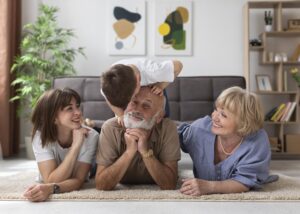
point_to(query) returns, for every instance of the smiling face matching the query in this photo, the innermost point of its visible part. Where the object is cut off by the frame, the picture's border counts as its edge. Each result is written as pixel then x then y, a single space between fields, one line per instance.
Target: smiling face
pixel 144 110
pixel 69 117
pixel 224 122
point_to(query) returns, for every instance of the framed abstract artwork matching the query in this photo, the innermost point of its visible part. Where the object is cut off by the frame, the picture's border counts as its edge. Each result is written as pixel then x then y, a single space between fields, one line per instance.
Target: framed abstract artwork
pixel 126 27
pixel 173 27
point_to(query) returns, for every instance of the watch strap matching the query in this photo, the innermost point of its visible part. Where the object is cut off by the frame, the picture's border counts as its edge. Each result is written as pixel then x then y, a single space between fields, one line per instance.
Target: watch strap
pixel 56 189
pixel 147 154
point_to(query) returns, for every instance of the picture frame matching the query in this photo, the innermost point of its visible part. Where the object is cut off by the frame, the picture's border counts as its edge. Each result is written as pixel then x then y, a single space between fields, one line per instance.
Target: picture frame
pixel 173 28
pixel 126 27
pixel 263 83
pixel 293 25
pixel 296 55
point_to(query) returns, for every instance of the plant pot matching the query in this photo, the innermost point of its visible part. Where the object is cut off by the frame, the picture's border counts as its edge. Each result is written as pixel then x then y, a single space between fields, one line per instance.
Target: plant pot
pixel 29 150
pixel 268 28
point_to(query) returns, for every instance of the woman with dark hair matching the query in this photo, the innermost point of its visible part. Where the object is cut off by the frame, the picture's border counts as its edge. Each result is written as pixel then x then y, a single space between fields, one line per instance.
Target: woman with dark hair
pixel 63 148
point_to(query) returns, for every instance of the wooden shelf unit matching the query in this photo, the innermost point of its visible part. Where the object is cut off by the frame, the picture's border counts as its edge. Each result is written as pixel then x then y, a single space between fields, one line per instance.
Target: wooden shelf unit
pixel 278 67
pixel 277 92
pixel 256 48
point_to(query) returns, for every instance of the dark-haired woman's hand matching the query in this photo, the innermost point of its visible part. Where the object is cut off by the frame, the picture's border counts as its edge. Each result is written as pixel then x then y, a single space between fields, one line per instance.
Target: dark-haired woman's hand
pixel 78 137
pixel 38 192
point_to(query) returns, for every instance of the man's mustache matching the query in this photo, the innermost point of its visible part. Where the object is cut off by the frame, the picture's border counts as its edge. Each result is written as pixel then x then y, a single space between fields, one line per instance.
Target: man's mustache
pixel 137 115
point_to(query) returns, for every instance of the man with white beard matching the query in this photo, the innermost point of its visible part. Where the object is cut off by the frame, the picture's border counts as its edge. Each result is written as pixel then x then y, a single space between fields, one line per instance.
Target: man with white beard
pixel 145 152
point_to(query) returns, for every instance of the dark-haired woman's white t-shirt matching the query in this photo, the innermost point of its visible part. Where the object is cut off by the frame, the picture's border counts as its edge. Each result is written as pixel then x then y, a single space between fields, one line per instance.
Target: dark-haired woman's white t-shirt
pixel 53 151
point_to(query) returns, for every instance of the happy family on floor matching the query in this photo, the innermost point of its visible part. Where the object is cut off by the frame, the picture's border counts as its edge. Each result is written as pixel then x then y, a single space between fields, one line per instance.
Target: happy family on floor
pixel 141 145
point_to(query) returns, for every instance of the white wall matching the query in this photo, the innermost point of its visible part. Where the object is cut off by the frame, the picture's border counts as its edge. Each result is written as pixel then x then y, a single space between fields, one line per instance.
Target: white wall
pixel 217 34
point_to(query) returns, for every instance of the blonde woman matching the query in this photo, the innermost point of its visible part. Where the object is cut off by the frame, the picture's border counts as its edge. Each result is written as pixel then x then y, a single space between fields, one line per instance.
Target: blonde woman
pixel 230 150
pixel 63 148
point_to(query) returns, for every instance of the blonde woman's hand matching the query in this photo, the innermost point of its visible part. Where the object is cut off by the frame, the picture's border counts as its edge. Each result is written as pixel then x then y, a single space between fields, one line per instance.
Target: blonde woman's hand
pixel 195 187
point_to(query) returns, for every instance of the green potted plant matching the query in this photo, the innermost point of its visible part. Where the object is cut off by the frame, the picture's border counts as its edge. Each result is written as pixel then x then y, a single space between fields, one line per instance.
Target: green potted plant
pixel 268 21
pixel 45 54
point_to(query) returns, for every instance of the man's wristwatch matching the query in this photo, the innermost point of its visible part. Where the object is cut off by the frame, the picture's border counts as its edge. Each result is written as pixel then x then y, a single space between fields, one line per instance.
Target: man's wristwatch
pixel 56 189
pixel 147 154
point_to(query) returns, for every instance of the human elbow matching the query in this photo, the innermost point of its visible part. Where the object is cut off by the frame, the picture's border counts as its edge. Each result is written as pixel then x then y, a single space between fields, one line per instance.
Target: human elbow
pixel 169 186
pixel 103 186
pixel 177 67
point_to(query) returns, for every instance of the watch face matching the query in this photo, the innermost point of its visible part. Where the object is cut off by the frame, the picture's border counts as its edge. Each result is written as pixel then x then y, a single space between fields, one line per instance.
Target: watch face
pixel 56 189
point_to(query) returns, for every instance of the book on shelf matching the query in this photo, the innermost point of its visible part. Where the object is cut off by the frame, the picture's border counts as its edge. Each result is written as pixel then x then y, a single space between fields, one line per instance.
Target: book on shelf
pixel 281 113
pixel 270 113
pixel 286 110
pixel 276 115
pixel 290 112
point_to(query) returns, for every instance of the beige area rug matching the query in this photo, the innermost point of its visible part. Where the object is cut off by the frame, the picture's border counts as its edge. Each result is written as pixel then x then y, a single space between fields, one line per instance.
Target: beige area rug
pixel 13 185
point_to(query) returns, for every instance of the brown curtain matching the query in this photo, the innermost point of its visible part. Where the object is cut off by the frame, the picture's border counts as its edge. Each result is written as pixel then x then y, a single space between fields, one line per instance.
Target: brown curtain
pixel 10 25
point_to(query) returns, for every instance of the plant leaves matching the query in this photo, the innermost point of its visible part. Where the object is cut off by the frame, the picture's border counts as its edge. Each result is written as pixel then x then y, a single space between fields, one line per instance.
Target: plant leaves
pixel 45 54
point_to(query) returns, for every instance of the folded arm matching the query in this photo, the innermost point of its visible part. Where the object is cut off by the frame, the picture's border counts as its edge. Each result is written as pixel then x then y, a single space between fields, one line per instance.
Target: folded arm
pixel 41 192
pixel 164 174
pixel 51 173
pixel 108 177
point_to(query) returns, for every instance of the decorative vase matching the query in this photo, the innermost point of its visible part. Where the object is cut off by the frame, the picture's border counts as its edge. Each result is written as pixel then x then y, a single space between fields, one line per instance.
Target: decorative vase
pixel 268 28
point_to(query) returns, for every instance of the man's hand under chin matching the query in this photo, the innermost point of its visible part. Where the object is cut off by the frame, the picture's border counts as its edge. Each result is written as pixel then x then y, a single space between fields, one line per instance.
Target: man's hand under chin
pixel 131 143
pixel 142 136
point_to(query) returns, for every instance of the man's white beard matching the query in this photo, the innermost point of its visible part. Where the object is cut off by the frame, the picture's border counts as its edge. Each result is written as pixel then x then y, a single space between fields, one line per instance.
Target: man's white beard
pixel 131 123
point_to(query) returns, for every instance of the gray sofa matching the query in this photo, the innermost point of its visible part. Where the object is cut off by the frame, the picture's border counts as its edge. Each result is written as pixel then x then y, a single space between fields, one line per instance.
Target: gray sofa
pixel 189 97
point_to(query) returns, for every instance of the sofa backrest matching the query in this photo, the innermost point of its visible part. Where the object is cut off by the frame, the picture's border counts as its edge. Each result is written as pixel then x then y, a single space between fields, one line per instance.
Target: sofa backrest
pixel 193 97
pixel 189 97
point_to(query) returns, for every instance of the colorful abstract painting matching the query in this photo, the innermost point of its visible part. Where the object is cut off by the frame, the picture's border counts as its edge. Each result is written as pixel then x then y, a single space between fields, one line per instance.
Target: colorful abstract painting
pixel 127 27
pixel 173 33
